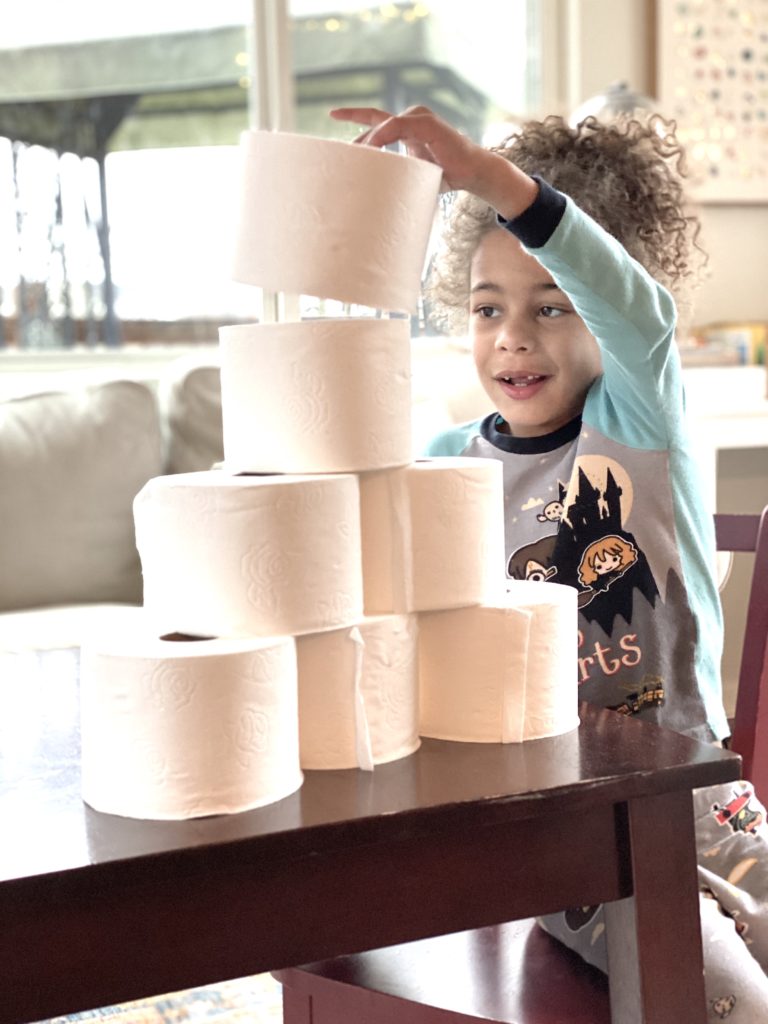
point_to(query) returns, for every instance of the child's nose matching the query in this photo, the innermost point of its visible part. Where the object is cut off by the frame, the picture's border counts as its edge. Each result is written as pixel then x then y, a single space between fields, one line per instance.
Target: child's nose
pixel 514 336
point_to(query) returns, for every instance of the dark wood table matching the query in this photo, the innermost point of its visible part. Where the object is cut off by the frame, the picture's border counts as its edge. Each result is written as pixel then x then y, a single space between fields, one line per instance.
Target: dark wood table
pixel 96 909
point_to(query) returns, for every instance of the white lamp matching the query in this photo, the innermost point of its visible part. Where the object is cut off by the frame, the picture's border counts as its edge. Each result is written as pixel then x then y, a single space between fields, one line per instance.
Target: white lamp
pixel 617 100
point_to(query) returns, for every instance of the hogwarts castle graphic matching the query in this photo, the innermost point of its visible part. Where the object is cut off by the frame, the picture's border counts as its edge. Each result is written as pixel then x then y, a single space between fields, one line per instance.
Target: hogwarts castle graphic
pixel 592 552
pixel 637 631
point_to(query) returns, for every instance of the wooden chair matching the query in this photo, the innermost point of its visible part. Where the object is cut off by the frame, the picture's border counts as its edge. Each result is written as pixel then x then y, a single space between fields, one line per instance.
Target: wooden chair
pixel 515 973
pixel 749 736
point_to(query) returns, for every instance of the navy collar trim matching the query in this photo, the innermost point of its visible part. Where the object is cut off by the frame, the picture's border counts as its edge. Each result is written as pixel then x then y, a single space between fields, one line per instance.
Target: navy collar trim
pixel 489 429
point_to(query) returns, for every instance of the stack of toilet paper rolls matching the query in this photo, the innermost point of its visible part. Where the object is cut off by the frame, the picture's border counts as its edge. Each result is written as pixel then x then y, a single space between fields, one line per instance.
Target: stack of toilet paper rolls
pixel 306 599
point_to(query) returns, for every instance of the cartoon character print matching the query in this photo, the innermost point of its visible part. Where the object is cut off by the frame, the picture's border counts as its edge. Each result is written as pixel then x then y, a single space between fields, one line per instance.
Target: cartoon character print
pixel 533 561
pixel 723 1007
pixel 552 512
pixel 591 548
pixel 536 571
pixel 603 562
pixel 739 814
pixel 652 695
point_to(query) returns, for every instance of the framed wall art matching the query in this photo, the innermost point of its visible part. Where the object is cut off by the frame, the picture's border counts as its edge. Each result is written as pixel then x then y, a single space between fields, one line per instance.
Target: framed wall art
pixel 712 61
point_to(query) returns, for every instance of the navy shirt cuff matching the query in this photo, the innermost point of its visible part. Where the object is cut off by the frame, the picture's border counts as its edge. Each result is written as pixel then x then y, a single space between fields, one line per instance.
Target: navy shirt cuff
pixel 535 226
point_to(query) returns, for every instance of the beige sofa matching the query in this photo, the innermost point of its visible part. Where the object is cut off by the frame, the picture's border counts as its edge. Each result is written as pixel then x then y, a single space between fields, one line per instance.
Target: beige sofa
pixel 72 460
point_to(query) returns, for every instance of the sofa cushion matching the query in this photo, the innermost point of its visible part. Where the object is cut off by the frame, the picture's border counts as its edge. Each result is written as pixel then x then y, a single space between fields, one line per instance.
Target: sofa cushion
pixel 70 465
pixel 191 397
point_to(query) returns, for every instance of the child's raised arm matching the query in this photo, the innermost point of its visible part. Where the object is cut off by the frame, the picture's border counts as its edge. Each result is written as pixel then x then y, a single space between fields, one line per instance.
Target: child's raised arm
pixel 465 164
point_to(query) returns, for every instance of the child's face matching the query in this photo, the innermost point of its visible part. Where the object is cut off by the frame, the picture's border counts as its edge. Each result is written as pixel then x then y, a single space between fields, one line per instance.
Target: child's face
pixel 606 563
pixel 534 355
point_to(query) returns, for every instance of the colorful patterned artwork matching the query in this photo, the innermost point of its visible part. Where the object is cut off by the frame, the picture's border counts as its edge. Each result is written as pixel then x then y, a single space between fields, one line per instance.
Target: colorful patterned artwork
pixel 713 80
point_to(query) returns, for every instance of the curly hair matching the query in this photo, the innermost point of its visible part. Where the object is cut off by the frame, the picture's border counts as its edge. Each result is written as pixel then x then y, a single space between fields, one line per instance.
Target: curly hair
pixel 627 175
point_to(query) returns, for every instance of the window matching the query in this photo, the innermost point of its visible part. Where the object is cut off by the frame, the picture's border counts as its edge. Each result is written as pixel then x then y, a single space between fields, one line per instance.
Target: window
pixel 119 129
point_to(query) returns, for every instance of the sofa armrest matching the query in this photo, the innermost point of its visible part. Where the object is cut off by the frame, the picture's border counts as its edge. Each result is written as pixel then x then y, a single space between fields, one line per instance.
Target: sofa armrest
pixel 70 464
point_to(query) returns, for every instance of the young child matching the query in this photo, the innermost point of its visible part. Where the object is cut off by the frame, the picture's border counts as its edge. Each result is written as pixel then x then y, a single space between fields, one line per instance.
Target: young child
pixel 556 258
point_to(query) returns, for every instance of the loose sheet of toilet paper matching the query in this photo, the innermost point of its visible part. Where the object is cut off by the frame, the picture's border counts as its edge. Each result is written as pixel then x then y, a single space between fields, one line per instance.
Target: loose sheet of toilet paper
pixel 334 219
pixel 176 729
pixel 320 396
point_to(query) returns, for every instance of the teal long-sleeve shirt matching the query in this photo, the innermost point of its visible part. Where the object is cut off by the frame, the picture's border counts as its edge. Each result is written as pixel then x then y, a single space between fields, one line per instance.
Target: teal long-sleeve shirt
pixel 622 478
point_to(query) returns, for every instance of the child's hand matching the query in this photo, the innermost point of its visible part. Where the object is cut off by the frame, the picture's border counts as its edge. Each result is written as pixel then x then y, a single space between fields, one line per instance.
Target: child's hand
pixel 465 164
pixel 425 136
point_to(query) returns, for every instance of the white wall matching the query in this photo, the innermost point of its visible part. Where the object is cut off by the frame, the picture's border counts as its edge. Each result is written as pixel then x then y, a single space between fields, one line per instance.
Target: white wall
pixel 736 287
pixel 612 41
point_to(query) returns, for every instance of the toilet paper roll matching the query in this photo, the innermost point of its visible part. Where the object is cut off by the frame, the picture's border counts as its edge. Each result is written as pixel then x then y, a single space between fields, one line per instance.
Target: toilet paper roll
pixel 433 535
pixel 227 555
pixel 323 396
pixel 184 728
pixel 501 673
pixel 329 218
pixel 358 694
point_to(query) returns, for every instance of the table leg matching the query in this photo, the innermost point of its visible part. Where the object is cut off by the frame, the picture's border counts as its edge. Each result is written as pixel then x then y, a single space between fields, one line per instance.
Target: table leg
pixel 656 973
pixel 297 1007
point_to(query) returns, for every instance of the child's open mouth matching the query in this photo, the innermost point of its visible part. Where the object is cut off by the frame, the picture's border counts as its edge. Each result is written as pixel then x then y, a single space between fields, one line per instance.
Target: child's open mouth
pixel 522 385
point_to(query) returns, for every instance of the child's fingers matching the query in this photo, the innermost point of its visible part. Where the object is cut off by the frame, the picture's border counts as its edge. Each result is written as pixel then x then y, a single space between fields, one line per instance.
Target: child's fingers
pixel 371 116
pixel 417 128
pixel 384 128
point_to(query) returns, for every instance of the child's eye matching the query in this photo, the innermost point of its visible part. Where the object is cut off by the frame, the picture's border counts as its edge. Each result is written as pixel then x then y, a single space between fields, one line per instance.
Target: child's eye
pixel 551 312
pixel 485 312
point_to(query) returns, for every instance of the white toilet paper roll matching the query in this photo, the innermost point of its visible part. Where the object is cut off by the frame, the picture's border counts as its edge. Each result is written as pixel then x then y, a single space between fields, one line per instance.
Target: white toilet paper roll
pixel 501 673
pixel 433 535
pixel 329 218
pixel 322 396
pixel 358 694
pixel 227 555
pixel 185 728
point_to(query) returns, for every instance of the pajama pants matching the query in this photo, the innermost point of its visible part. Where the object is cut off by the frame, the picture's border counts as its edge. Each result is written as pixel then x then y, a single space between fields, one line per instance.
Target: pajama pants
pixel 732 853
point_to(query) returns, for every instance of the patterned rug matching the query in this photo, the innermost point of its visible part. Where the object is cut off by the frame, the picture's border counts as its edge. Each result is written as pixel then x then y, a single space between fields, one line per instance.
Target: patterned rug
pixel 257 999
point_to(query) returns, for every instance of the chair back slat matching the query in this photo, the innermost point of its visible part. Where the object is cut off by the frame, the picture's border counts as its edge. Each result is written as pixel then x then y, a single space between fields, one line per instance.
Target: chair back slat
pixel 750 725
pixel 734 532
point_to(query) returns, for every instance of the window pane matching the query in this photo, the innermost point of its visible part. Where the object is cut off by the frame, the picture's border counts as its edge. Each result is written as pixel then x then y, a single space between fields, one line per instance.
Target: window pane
pixel 141 105
pixel 119 128
pixel 468 62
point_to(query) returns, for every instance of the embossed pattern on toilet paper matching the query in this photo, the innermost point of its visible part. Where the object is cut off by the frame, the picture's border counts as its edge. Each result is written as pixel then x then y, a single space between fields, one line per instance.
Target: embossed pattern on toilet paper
pixel 294 235
pixel 250 735
pixel 170 687
pixel 306 397
pixel 318 396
